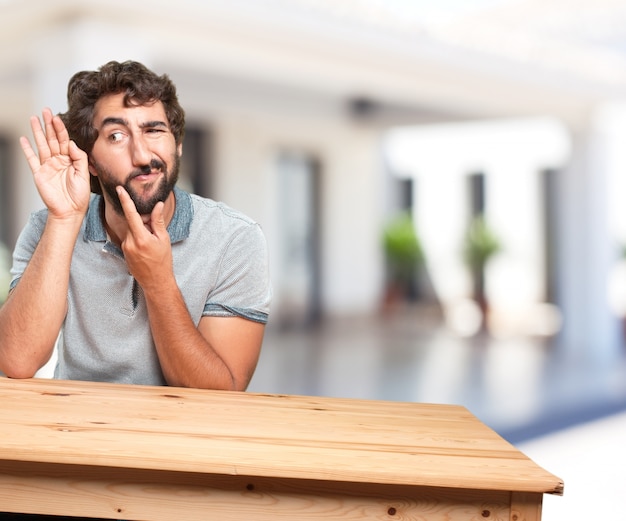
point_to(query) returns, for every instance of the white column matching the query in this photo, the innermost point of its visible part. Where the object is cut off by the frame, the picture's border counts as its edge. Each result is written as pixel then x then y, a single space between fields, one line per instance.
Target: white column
pixel 585 248
pixel 511 154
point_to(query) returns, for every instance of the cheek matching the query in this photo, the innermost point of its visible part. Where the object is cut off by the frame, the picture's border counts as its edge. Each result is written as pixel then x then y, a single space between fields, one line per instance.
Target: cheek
pixel 116 162
pixel 167 149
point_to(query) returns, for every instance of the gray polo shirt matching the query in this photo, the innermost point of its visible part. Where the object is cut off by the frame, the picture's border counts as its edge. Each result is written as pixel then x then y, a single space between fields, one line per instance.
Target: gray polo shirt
pixel 220 264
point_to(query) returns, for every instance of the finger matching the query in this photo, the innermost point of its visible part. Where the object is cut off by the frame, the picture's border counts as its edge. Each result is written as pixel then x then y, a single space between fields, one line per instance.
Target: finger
pixel 63 136
pixel 29 153
pixel 51 134
pixel 40 139
pixel 75 153
pixel 79 159
pixel 135 223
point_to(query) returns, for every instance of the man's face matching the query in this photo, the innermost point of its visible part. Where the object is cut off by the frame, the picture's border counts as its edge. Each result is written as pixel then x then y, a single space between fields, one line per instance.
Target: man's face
pixel 136 149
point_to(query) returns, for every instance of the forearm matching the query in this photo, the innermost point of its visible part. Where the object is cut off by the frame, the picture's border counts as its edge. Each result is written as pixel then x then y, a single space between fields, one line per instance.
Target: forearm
pixel 31 318
pixel 216 353
pixel 187 358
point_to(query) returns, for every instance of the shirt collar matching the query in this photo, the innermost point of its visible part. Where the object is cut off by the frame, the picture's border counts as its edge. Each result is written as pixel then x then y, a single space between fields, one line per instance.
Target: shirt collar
pixel 178 228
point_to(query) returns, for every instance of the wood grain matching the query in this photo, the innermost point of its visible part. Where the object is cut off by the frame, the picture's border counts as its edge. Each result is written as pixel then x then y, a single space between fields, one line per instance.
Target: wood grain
pixel 137 494
pixel 312 455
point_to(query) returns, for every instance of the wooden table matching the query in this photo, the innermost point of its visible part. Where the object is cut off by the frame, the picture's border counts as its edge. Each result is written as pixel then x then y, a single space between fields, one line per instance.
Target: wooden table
pixel 163 453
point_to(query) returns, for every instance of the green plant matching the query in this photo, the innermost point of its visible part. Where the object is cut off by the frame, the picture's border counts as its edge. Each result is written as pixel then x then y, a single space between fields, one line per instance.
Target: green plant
pixel 480 244
pixel 403 250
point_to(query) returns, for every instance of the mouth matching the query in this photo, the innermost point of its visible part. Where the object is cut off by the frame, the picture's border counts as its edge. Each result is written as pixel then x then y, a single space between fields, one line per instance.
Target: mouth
pixel 146 177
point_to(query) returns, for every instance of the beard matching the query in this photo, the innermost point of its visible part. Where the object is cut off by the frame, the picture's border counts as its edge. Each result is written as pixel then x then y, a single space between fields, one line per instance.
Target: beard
pixel 143 203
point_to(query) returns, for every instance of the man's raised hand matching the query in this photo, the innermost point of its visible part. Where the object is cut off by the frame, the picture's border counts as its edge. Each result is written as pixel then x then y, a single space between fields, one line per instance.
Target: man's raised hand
pixel 60 169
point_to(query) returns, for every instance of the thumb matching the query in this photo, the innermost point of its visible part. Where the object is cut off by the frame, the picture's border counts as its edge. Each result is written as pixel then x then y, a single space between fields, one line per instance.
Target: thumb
pixel 79 159
pixel 76 154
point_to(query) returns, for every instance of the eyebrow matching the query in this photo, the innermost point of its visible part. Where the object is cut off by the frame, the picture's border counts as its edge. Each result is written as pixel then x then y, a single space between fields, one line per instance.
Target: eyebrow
pixel 124 122
pixel 114 121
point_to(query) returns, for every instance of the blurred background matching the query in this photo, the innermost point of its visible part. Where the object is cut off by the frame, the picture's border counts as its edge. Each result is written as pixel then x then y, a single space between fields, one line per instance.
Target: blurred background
pixel 441 184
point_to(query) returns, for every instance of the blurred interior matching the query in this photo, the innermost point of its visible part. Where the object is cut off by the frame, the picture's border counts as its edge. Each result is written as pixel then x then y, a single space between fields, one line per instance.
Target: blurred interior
pixel 492 126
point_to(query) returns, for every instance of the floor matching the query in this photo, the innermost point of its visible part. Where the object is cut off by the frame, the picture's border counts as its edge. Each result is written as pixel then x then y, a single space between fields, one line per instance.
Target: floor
pixel 568 415
pixel 591 461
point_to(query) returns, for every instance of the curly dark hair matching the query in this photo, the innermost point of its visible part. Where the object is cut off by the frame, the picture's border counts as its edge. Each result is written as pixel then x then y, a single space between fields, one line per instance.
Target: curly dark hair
pixel 140 86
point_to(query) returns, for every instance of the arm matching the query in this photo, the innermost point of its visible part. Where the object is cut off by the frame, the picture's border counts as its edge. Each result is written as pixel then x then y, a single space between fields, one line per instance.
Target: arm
pixel 31 318
pixel 222 352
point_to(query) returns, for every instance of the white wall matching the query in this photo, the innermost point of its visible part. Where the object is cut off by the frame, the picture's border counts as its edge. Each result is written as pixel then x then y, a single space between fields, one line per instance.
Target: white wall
pixel 511 155
pixel 351 202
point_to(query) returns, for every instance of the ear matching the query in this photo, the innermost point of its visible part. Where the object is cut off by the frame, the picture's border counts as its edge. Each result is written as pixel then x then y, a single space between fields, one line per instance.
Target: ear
pixel 179 149
pixel 91 168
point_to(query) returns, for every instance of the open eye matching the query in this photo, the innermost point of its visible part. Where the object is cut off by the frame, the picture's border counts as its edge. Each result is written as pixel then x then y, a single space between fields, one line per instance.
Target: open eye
pixel 116 137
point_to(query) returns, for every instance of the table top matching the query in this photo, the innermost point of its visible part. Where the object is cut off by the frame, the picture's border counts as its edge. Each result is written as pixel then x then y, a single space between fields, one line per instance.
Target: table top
pixel 248 434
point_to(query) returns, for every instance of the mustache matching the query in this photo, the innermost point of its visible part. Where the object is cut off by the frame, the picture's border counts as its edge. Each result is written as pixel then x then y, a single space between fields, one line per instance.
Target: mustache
pixel 155 164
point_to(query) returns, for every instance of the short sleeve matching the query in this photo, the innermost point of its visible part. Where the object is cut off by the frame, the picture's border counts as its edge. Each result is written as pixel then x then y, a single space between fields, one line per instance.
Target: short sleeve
pixel 26 245
pixel 243 288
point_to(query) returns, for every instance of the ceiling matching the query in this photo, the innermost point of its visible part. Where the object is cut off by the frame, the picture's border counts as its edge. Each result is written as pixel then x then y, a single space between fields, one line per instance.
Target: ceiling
pixel 586 38
pixel 473 57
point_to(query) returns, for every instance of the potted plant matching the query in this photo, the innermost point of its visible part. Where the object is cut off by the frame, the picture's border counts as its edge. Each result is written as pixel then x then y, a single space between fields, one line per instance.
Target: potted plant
pixel 481 244
pixel 404 256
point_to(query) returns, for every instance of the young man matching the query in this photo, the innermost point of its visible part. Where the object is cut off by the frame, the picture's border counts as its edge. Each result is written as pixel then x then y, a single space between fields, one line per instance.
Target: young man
pixel 146 283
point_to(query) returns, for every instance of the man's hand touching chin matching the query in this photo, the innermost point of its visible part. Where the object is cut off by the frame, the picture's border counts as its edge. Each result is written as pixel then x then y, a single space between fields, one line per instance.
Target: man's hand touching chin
pixel 146 247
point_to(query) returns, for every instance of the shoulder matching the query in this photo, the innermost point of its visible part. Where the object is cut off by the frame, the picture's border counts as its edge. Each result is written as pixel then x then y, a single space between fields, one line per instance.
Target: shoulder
pixel 225 230
pixel 36 223
pixel 39 216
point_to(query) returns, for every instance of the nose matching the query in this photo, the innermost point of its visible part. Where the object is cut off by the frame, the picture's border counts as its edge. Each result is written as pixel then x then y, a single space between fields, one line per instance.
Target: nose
pixel 140 152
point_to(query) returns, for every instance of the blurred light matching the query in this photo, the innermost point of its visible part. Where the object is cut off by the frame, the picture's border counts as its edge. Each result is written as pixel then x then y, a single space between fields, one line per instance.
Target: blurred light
pixel 442 10
pixel 544 319
pixel 464 317
pixel 617 289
